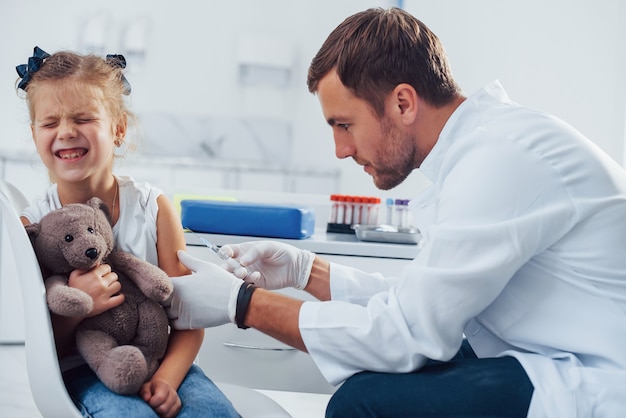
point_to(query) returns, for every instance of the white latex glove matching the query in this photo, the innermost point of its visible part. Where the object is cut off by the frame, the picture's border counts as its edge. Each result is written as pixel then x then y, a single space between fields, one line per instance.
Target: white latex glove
pixel 278 265
pixel 205 298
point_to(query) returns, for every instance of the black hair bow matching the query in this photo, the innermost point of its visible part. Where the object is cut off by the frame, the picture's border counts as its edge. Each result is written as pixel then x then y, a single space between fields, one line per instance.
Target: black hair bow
pixel 117 60
pixel 26 71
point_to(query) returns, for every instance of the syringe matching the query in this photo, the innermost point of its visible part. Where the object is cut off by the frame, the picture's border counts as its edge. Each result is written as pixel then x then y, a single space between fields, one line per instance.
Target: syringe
pixel 231 262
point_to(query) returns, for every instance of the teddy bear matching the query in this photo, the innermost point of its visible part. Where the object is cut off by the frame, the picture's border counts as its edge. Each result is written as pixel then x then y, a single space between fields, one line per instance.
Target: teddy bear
pixel 123 345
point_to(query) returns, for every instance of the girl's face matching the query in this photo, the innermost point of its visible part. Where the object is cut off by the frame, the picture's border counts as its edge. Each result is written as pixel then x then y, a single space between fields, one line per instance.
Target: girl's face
pixel 73 132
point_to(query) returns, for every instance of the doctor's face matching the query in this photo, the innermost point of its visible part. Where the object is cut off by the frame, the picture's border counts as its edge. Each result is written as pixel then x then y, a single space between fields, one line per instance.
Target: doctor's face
pixel 385 151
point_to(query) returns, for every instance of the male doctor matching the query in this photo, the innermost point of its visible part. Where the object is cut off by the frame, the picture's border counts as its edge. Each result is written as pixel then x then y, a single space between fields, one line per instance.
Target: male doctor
pixel 516 303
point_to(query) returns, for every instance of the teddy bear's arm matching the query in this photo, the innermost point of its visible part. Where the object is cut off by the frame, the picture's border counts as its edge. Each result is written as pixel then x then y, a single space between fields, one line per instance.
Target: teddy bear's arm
pixel 65 300
pixel 151 280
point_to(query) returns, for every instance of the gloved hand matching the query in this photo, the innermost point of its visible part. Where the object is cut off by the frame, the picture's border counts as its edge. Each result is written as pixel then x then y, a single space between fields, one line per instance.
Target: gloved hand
pixel 205 298
pixel 278 265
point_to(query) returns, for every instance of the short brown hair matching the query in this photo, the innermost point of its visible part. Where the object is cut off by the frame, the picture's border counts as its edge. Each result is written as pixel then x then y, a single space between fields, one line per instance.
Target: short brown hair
pixel 375 50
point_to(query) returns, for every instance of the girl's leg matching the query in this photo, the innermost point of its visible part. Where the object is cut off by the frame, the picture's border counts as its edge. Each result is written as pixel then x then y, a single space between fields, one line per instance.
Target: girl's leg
pixel 94 399
pixel 201 398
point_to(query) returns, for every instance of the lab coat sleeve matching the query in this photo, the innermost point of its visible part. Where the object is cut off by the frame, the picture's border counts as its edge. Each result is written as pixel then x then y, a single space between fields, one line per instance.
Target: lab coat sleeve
pixel 355 286
pixel 344 345
pixel 479 239
pixel 421 317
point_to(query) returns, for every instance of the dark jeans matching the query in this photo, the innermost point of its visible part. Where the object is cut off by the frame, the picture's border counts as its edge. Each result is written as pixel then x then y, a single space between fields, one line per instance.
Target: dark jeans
pixel 465 386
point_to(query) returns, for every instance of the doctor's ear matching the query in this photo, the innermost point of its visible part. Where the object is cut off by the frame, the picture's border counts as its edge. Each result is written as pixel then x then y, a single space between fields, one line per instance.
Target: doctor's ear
pixel 405 101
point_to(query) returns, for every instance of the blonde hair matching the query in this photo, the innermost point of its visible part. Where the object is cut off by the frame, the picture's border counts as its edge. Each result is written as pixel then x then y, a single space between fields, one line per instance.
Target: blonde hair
pixel 88 71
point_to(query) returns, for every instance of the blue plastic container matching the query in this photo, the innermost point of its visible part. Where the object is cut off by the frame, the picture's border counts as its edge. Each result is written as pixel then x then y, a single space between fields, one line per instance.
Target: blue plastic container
pixel 245 218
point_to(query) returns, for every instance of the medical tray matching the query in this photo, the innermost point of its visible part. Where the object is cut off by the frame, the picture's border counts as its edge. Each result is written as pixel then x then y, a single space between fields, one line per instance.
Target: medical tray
pixel 388 233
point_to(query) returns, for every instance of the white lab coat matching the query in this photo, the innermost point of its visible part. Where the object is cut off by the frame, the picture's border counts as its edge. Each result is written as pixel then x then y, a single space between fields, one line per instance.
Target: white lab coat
pixel 523 251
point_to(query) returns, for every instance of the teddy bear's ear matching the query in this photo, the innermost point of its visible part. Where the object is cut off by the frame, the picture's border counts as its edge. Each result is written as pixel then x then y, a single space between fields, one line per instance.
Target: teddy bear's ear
pixel 98 204
pixel 33 230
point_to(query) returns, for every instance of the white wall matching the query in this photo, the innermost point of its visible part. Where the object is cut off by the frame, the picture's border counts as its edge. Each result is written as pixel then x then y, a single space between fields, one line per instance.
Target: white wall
pixel 563 56
pixel 567 57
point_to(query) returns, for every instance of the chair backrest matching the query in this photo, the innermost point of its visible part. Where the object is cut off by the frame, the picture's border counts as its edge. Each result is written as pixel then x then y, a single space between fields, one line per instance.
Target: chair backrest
pixel 11 331
pixel 44 374
pixel 18 200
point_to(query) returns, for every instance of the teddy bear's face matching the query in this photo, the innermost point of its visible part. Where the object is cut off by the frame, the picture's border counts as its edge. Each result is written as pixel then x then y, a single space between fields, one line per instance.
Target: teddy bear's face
pixel 77 236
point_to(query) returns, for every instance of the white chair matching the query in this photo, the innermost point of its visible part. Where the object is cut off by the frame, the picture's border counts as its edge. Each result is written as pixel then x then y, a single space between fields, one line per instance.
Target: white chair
pixel 11 332
pixel 44 374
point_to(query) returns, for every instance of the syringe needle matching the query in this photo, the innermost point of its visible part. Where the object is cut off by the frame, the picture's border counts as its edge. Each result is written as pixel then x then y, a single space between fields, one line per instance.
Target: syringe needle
pixel 234 264
pixel 231 262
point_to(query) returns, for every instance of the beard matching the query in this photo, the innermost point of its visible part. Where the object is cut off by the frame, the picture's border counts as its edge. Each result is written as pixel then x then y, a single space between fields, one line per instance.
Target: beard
pixel 396 154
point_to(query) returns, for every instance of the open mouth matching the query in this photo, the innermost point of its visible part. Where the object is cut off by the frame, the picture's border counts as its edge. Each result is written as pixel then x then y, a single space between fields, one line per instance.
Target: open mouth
pixel 69 154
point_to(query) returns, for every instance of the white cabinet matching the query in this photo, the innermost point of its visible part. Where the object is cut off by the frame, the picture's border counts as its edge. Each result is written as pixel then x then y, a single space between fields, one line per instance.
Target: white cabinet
pixel 252 359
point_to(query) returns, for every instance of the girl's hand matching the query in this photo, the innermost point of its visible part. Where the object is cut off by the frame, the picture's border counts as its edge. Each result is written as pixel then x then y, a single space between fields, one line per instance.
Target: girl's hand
pixel 101 284
pixel 161 397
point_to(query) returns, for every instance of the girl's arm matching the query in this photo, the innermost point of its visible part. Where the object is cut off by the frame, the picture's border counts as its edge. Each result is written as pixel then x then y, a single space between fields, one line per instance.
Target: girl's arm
pixel 183 346
pixel 102 285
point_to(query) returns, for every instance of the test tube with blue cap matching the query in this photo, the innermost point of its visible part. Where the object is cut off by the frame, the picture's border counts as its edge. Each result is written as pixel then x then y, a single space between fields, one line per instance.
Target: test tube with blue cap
pixel 389 213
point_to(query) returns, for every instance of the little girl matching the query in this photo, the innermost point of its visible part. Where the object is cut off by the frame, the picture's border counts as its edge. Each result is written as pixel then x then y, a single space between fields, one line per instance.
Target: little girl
pixel 78 117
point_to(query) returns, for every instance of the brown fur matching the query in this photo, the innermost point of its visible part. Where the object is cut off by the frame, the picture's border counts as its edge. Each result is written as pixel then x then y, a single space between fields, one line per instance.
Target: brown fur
pixel 124 345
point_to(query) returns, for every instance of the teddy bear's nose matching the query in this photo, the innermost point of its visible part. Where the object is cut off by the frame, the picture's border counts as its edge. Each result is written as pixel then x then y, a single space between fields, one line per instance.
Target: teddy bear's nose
pixel 91 253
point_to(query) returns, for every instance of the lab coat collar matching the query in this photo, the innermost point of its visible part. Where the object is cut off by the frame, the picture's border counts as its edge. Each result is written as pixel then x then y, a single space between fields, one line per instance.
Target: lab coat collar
pixel 458 125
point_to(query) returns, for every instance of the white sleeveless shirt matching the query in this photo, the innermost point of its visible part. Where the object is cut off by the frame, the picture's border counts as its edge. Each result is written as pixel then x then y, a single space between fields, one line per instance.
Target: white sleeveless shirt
pixel 135 231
